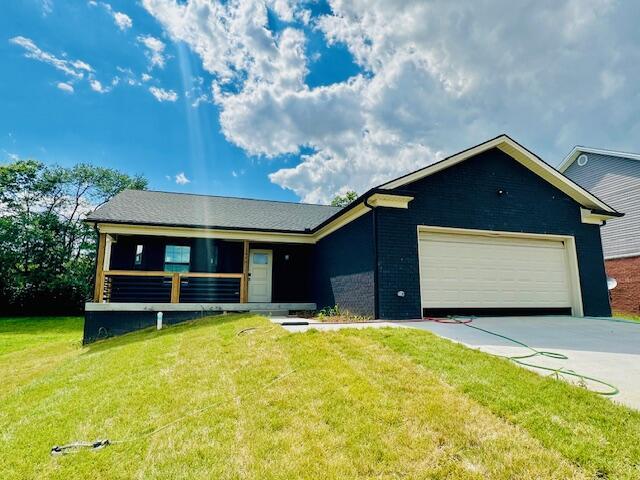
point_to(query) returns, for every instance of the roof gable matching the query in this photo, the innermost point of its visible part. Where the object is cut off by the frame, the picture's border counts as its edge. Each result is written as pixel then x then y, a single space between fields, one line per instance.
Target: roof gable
pixel 577 150
pixel 521 155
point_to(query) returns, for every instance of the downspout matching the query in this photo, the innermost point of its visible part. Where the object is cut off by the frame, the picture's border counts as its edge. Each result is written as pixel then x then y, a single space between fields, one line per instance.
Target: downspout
pixel 374 220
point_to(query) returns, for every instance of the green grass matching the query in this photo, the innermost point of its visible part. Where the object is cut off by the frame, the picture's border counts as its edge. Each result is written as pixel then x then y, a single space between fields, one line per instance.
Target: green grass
pixel 626 316
pixel 389 403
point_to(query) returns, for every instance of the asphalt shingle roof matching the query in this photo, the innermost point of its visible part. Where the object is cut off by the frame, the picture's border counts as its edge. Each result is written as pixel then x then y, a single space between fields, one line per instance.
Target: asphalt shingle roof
pixel 187 210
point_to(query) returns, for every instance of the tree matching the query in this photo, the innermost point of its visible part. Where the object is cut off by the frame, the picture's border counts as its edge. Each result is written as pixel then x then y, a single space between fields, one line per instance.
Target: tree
pixel 344 200
pixel 47 251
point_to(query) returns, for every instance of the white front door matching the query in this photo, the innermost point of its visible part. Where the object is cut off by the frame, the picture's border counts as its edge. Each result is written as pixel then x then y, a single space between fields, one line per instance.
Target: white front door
pixel 260 268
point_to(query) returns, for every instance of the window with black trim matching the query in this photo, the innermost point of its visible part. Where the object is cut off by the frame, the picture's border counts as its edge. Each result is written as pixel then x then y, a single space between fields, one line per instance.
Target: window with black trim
pixel 138 258
pixel 177 258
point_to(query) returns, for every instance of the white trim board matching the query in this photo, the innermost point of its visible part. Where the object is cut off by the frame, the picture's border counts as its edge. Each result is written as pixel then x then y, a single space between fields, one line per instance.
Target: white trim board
pixel 520 154
pixel 194 307
pixel 577 150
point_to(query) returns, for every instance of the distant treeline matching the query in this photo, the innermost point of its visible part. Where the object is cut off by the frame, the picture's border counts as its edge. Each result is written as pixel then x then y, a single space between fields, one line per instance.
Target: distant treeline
pixel 47 253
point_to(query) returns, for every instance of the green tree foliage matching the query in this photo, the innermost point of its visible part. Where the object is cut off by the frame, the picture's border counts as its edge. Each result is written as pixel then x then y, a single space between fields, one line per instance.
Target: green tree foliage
pixel 47 252
pixel 344 200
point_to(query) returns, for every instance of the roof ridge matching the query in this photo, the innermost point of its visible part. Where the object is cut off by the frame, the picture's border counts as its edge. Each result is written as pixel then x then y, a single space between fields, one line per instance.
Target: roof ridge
pixel 232 198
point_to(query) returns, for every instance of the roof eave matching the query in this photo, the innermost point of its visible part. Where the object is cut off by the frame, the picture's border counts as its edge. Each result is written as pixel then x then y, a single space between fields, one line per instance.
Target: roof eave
pixel 203 227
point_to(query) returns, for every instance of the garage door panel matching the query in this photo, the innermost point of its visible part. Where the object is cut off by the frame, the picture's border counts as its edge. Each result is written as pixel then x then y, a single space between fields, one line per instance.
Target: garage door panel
pixel 462 271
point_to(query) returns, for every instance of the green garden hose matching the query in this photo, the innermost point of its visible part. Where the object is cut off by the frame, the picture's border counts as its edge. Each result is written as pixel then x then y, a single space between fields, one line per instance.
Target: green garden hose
pixel 611 389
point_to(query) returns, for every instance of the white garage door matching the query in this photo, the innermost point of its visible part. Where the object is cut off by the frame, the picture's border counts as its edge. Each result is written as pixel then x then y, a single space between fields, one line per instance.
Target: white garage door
pixel 475 271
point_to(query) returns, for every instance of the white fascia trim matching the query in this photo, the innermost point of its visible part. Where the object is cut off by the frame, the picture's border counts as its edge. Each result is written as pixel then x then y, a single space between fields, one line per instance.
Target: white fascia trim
pixel 523 156
pixel 577 150
pixel 389 200
pixel 131 229
pixel 587 216
pixel 341 221
pixel 624 255
pixel 436 167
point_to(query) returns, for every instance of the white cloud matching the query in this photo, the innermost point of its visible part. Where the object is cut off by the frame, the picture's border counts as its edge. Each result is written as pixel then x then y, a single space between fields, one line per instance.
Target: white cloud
pixel 436 77
pixel 154 50
pixel 14 157
pixel 47 7
pixel 71 68
pixel 127 76
pixel 76 70
pixel 80 65
pixel 123 21
pixel 65 87
pixel 181 179
pixel 96 86
pixel 163 95
pixel 146 77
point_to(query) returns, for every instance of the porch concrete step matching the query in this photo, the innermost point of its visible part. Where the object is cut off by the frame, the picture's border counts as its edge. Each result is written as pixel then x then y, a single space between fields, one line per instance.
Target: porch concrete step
pixel 271 313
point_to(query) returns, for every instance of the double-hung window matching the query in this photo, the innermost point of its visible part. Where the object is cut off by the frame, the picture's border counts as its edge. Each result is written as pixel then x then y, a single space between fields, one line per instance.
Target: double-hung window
pixel 177 258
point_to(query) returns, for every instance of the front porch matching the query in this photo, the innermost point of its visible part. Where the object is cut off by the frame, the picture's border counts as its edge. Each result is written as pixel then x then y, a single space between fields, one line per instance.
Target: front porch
pixel 209 273
pixel 184 277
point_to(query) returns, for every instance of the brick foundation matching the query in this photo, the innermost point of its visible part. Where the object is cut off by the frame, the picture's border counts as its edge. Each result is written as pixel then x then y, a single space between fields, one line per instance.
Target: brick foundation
pixel 626 296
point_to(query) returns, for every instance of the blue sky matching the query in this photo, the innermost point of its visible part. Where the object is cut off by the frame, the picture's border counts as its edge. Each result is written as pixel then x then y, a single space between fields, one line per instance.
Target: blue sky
pixel 127 128
pixel 301 100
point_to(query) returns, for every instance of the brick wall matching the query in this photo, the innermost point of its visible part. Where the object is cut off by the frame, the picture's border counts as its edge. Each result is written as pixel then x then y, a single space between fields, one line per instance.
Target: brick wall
pixel 465 196
pixel 343 268
pixel 625 298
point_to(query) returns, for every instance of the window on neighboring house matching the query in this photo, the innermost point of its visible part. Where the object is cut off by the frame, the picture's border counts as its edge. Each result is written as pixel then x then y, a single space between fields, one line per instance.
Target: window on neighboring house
pixel 177 258
pixel 138 258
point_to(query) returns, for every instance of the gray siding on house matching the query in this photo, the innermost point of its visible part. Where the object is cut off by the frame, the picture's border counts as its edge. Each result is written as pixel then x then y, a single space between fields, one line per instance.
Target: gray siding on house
pixel 616 181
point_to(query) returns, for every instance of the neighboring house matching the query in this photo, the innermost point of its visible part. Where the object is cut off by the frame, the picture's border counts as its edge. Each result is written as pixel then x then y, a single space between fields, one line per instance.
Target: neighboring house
pixel 490 230
pixel 615 178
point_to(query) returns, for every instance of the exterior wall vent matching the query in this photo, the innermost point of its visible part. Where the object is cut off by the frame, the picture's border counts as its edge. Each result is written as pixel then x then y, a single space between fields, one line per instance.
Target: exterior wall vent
pixel 582 160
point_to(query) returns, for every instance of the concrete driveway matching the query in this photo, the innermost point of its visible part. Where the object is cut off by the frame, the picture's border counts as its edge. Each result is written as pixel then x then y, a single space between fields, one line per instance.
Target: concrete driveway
pixel 595 347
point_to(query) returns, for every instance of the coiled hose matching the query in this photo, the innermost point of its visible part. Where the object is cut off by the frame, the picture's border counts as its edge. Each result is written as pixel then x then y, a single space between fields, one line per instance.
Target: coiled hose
pixel 557 372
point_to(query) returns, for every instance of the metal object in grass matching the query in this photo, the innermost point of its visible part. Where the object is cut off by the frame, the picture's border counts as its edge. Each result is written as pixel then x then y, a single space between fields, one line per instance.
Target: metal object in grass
pixel 99 444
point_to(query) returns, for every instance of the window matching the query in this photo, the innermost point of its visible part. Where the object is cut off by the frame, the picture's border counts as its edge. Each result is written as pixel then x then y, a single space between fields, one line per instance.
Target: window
pixel 260 259
pixel 177 258
pixel 138 259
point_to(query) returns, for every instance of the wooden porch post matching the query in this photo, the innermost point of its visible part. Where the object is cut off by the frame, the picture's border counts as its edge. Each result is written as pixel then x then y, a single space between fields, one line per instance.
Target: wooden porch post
pixel 175 288
pixel 98 291
pixel 244 283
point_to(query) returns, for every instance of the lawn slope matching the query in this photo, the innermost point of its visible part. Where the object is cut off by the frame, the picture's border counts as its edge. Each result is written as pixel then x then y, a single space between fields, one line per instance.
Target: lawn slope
pixel 390 403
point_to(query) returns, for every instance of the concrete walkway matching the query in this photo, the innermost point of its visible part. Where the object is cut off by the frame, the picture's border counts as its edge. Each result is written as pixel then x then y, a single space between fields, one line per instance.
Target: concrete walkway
pixel 324 327
pixel 596 348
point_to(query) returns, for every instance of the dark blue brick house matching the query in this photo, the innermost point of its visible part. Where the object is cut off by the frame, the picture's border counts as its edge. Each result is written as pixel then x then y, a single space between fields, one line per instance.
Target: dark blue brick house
pixel 492 229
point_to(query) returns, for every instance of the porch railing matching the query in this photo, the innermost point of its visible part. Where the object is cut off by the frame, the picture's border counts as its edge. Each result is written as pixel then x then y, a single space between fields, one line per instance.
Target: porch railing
pixel 170 287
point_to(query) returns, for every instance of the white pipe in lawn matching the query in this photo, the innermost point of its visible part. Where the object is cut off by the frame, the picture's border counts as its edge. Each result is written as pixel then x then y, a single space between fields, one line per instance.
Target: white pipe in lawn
pixel 159 321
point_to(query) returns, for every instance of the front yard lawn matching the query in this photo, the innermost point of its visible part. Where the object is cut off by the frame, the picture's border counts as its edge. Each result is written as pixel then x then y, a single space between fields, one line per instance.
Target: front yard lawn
pixel 388 403
pixel 626 316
